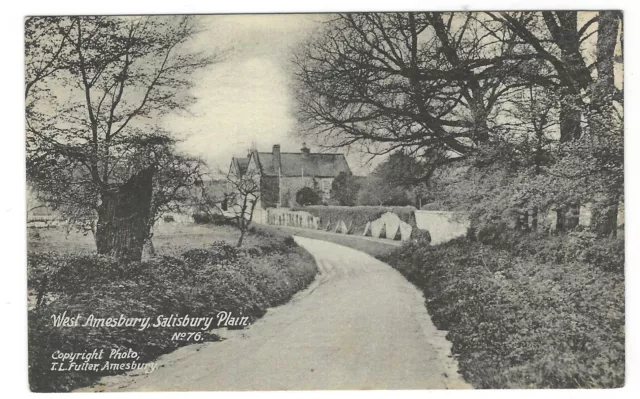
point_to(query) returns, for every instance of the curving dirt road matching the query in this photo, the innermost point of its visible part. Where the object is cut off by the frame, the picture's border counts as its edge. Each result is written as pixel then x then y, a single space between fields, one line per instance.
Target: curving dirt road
pixel 361 325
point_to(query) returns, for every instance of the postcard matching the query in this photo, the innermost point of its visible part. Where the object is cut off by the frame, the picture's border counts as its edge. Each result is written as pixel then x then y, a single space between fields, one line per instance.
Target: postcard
pixel 260 202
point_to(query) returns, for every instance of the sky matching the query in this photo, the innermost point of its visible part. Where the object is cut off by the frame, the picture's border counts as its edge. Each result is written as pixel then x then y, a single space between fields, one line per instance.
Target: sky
pixel 247 97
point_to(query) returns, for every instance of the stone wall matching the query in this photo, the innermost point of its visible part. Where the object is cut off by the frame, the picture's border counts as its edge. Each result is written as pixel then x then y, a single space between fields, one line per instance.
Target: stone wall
pixel 443 226
pixel 388 225
pixel 549 221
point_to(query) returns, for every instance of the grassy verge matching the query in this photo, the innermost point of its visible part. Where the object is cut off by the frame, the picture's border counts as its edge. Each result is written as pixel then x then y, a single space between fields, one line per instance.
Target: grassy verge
pixel 191 276
pixel 518 322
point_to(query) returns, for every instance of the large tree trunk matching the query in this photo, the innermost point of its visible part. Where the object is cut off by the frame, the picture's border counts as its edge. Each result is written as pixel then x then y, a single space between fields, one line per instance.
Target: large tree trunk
pixel 123 218
pixel 570 116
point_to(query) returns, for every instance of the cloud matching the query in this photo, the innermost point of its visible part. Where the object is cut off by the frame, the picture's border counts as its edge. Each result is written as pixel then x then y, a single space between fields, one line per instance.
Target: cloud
pixel 246 98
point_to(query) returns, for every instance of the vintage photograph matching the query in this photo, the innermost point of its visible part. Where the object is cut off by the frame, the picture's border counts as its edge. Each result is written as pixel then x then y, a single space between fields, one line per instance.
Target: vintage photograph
pixel 259 202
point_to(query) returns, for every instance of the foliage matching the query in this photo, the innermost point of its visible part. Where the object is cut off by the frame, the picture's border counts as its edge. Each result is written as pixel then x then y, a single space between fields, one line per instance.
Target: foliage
pixel 375 191
pixel 307 196
pixel 518 322
pixel 344 189
pixel 492 111
pixel 98 130
pixel 198 283
pixel 398 181
pixel 403 170
pixel 582 246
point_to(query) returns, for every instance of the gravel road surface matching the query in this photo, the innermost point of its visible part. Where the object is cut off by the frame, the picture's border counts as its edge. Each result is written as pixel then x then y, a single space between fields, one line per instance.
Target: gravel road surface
pixel 360 325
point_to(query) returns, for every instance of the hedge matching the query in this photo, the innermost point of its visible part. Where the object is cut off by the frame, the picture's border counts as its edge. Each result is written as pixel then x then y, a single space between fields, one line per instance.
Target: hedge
pixel 519 322
pixel 199 283
pixel 357 216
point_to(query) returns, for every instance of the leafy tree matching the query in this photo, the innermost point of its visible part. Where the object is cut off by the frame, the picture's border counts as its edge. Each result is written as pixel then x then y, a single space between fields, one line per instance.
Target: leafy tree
pixel 307 196
pixel 518 111
pixel 405 170
pixel 97 88
pixel 344 189
pixel 377 191
pixel 400 180
pixel 589 159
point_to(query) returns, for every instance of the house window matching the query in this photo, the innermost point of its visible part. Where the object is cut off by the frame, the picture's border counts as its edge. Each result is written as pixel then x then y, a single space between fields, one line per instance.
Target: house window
pixel 326 185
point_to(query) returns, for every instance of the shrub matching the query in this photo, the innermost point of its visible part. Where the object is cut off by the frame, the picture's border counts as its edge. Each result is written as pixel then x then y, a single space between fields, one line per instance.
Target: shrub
pixel 434 206
pixel 583 246
pixel 518 322
pixel 344 189
pixel 215 219
pixel 201 218
pixel 200 282
pixel 307 196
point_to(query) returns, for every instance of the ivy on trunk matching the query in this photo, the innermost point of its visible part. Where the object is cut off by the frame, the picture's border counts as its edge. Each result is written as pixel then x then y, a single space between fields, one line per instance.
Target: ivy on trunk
pixel 123 217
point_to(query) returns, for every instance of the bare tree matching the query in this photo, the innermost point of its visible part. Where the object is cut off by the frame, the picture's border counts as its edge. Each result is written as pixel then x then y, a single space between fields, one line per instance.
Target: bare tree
pixel 236 204
pixel 46 50
pixel 444 88
pixel 96 142
pixel 427 83
pixel 590 114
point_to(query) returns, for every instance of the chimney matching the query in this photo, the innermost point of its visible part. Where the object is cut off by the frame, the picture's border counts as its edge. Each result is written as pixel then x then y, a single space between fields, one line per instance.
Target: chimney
pixel 305 150
pixel 252 149
pixel 276 158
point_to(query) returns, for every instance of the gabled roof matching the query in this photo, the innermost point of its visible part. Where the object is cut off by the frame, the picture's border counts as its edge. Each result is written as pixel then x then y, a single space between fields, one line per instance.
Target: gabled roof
pixel 297 164
pixel 240 164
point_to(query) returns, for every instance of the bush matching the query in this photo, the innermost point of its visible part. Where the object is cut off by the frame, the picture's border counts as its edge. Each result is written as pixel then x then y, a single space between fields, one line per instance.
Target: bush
pixel 583 246
pixel 434 206
pixel 521 323
pixel 201 218
pixel 201 282
pixel 307 196
pixel 215 219
pixel 344 189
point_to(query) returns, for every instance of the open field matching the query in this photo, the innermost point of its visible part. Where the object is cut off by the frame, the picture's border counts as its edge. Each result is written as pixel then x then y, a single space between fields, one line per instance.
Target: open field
pixel 169 239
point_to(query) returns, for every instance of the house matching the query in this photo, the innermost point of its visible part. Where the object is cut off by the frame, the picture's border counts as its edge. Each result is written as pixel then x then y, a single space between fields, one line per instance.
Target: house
pixel 282 174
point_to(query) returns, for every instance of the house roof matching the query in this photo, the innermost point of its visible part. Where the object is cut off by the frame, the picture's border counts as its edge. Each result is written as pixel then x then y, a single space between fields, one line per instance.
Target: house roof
pixel 241 164
pixel 296 164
